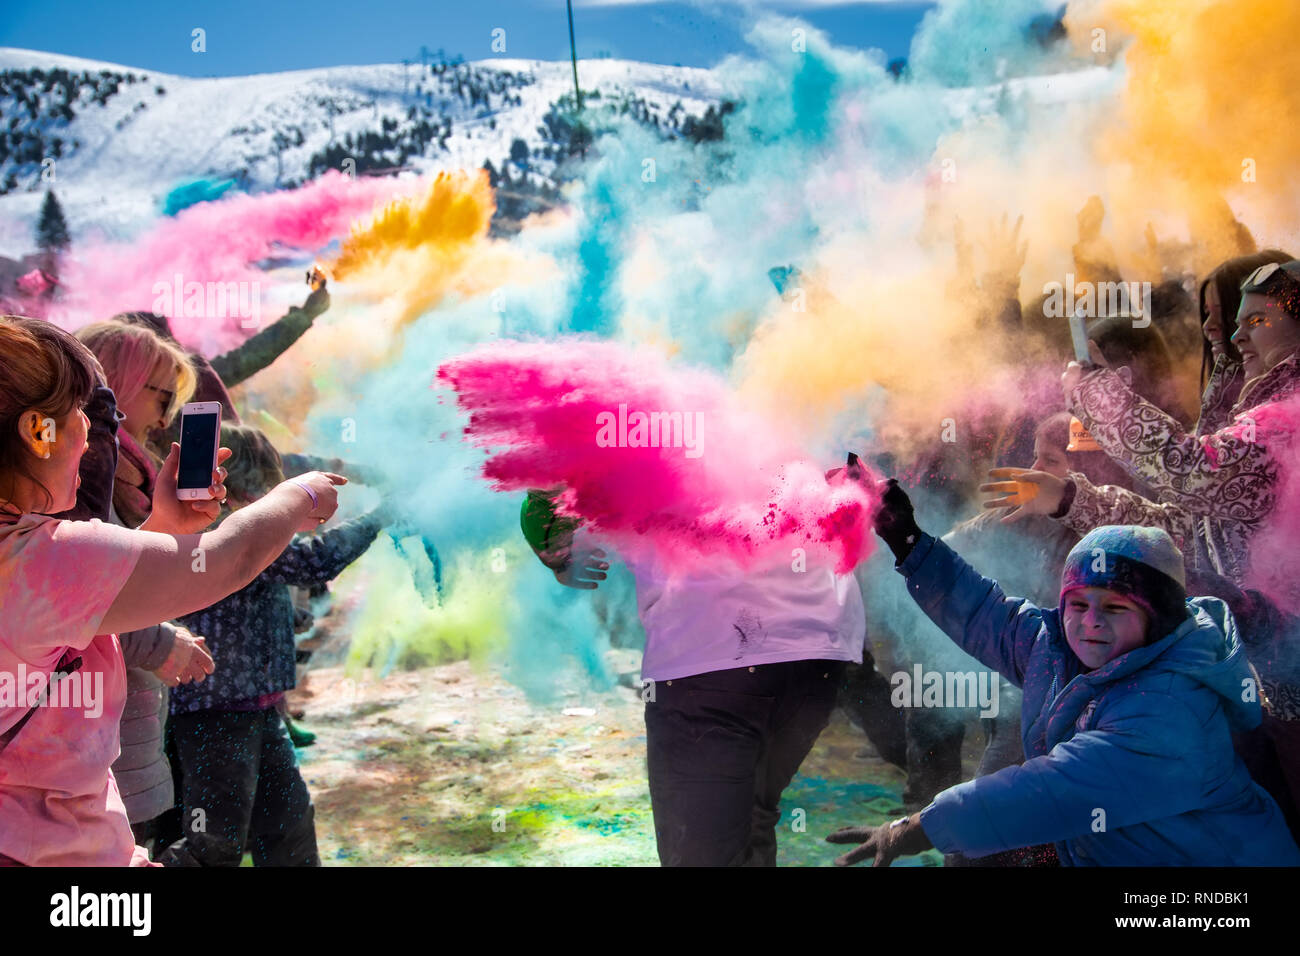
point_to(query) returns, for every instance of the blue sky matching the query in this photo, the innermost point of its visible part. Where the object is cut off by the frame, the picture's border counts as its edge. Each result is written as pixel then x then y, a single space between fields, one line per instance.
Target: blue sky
pixel 256 36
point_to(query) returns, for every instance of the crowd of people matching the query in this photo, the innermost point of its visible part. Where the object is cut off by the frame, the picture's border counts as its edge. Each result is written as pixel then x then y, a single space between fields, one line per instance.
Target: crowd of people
pixel 1152 707
pixel 182 608
pixel 1149 711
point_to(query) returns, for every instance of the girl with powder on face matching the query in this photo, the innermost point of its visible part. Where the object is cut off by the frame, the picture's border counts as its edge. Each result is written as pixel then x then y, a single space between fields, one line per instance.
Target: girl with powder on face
pixel 1214 487
pixel 1221 373
pixel 68 587
pixel 1216 490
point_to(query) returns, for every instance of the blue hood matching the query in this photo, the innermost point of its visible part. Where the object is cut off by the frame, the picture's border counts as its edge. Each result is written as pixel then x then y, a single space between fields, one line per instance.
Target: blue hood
pixel 1207 648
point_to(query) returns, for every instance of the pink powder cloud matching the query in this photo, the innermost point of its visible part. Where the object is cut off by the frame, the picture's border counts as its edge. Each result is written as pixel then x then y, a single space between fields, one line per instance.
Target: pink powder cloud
pixel 216 242
pixel 729 486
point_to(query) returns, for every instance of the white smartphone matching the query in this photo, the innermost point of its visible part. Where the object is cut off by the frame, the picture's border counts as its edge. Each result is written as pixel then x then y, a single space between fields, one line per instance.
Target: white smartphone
pixel 200 439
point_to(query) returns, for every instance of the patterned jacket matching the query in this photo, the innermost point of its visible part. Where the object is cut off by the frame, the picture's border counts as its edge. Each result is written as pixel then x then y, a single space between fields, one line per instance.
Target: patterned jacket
pixel 1213 490
pixel 1221 394
pixel 250 633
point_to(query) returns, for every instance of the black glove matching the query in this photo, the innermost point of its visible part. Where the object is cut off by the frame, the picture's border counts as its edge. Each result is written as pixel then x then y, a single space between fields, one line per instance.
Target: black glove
pixel 903 837
pixel 896 521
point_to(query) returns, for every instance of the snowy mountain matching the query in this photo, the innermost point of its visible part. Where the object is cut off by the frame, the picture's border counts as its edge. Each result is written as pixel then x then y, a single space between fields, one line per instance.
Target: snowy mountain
pixel 121 138
pixel 117 140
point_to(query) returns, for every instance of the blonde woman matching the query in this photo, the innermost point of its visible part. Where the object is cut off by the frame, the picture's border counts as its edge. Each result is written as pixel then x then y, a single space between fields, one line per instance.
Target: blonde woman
pixel 151 378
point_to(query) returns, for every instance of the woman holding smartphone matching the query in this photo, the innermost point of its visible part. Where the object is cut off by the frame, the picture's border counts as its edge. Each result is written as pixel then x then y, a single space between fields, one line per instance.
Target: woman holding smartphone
pixel 68 587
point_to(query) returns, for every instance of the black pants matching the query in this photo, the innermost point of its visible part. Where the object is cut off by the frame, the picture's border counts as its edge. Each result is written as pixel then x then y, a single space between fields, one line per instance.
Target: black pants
pixel 721 747
pixel 865 698
pixel 240 786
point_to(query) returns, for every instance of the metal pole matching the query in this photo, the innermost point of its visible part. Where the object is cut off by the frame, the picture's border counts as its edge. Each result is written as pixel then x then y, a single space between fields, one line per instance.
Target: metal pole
pixel 573 53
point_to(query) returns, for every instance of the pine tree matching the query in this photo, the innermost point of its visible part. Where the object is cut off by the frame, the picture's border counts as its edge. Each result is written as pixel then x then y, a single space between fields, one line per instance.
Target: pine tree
pixel 519 152
pixel 52 229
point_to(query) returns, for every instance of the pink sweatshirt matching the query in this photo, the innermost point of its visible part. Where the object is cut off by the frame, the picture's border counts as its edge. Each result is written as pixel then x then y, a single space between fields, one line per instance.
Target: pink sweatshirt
pixel 59 804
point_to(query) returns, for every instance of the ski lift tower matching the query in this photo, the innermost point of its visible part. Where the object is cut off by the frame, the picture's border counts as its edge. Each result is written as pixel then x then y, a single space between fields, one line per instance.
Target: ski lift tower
pixel 573 55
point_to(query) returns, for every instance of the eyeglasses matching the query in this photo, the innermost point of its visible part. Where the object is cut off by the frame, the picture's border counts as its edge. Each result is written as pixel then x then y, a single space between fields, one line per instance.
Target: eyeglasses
pixel 1260 277
pixel 168 395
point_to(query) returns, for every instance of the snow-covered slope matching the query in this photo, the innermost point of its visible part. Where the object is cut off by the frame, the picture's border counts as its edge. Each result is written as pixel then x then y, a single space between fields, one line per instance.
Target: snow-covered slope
pixel 138 134
pixel 125 155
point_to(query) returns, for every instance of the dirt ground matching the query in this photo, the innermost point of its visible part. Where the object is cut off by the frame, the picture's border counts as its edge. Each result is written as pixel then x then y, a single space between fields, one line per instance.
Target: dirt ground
pixel 451 765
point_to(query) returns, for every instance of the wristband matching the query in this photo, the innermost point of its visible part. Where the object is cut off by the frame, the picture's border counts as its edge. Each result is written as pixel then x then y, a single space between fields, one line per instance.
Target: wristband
pixel 315 503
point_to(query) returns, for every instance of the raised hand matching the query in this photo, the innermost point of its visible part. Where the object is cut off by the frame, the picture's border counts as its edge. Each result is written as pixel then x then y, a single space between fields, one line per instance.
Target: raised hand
pixel 322 488
pixel 1005 253
pixel 1028 492
pixel 895 522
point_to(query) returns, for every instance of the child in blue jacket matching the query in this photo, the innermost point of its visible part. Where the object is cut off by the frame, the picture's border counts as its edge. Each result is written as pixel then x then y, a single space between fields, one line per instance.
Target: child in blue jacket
pixel 1131 694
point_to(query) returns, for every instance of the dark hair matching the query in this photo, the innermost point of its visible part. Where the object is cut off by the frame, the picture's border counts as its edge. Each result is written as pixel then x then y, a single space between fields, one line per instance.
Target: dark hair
pixel 153 320
pixel 44 368
pixel 1055 428
pixel 1283 288
pixel 254 467
pixel 1174 313
pixel 1145 353
pixel 1098 467
pixel 1227 279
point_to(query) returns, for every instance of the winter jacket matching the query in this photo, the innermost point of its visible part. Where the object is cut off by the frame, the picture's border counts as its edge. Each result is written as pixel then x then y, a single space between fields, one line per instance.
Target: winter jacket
pixel 1026 557
pixel 1215 490
pixel 98 466
pixel 1271 637
pixel 250 633
pixel 260 350
pixel 1221 393
pixel 1130 764
pixel 142 771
